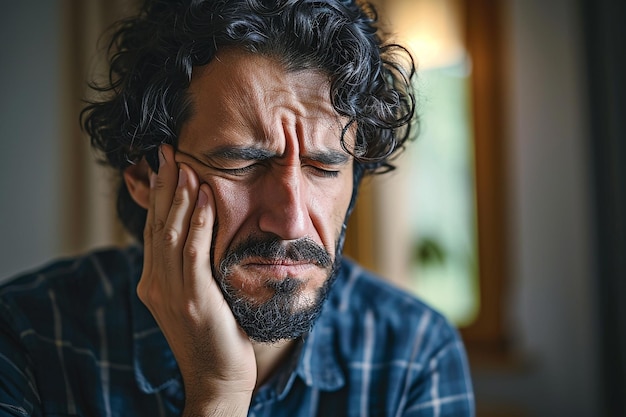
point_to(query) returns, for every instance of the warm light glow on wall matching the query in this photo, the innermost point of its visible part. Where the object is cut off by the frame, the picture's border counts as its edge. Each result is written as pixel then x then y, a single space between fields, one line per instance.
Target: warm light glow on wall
pixel 431 29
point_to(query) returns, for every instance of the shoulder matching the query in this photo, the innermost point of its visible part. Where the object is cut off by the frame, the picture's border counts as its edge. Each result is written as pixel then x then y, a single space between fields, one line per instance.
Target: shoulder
pixel 365 306
pixel 75 284
pixel 88 268
pixel 358 291
pixel 56 322
pixel 390 349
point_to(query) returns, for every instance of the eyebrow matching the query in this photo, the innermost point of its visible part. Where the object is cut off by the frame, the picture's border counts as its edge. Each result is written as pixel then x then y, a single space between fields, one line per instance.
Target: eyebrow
pixel 327 157
pixel 232 154
pixel 240 154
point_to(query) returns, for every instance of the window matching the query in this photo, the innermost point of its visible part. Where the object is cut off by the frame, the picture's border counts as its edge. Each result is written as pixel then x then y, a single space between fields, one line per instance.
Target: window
pixel 422 249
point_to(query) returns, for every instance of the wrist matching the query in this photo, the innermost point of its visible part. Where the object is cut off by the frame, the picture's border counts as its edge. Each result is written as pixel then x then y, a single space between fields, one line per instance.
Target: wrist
pixel 211 404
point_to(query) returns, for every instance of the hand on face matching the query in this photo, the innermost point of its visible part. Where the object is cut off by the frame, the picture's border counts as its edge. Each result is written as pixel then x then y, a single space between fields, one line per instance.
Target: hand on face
pixel 271 164
pixel 177 285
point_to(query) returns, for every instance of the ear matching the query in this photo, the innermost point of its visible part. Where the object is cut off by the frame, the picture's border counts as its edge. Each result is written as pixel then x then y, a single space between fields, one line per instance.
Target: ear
pixel 137 179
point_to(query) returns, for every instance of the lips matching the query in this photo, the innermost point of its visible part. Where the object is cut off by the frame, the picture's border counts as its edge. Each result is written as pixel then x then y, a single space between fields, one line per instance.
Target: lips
pixel 273 256
pixel 279 268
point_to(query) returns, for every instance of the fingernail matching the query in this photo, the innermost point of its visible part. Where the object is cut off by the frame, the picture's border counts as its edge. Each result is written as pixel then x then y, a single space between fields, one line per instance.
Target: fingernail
pixel 153 177
pixel 182 178
pixel 202 199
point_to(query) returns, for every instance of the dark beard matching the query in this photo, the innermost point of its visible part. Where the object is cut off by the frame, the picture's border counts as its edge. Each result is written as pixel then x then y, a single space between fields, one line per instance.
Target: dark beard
pixel 278 318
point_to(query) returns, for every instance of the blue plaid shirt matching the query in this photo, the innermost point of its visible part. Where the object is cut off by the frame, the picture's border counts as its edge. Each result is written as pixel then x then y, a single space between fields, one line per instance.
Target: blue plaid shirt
pixel 76 340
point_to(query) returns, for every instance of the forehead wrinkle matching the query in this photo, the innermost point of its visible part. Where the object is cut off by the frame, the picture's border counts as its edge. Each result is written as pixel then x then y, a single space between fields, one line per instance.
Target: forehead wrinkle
pixel 266 114
pixel 258 100
pixel 242 106
pixel 258 94
pixel 298 92
pixel 225 120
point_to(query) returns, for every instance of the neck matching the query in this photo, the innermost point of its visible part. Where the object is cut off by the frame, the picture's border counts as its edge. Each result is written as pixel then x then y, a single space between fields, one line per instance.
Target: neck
pixel 269 358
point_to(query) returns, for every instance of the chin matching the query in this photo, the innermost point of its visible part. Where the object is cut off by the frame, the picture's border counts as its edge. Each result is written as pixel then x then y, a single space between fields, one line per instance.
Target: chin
pixel 260 287
pixel 276 289
pixel 286 310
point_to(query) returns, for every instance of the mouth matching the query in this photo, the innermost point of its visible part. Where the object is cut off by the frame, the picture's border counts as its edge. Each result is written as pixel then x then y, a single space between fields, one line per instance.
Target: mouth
pixel 279 268
pixel 273 260
pixel 286 281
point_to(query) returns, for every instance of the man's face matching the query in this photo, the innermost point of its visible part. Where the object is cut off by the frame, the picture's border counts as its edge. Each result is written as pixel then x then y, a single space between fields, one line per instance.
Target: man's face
pixel 267 142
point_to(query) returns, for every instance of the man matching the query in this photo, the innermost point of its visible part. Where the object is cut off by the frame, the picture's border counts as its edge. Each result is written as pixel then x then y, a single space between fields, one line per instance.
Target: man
pixel 242 130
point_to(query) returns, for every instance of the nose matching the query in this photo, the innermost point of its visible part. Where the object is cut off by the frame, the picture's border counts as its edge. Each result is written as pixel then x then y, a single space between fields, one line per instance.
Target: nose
pixel 284 210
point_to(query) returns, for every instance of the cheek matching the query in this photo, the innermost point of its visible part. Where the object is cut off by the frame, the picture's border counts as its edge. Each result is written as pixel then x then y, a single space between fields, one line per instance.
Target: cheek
pixel 232 207
pixel 328 211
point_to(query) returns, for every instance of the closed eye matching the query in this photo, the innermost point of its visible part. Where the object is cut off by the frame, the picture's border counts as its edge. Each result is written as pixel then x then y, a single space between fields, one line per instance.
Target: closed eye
pixel 238 171
pixel 323 172
pixel 322 164
pixel 230 158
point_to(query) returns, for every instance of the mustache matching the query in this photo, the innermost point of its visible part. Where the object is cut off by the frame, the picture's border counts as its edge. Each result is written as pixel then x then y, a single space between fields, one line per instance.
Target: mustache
pixel 301 250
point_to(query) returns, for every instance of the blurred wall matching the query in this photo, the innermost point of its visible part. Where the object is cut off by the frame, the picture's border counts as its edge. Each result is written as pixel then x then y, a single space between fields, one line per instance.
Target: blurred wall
pixel 56 200
pixel 30 128
pixel 552 310
pixel 606 62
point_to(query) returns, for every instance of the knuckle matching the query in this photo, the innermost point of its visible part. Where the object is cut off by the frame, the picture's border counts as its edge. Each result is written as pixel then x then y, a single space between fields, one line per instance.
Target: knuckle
pixel 142 292
pixel 147 294
pixel 198 222
pixel 178 200
pixel 160 183
pixel 191 252
pixel 170 236
pixel 158 225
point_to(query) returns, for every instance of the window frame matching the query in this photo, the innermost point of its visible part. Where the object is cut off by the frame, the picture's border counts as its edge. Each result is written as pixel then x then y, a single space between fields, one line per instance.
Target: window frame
pixel 486 338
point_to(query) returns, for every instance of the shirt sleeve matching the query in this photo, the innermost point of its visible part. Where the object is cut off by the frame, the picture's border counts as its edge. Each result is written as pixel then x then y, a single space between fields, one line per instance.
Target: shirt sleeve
pixel 18 392
pixel 444 387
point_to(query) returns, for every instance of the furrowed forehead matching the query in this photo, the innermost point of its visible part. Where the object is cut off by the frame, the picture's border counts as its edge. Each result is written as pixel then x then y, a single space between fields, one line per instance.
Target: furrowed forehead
pixel 240 91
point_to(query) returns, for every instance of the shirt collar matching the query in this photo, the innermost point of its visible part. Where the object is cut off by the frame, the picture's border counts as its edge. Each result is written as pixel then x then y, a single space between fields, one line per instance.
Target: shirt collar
pixel 314 361
pixel 318 360
pixel 317 365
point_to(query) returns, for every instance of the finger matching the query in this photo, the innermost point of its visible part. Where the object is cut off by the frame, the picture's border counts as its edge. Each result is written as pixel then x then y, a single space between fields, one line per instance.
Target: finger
pixel 177 223
pixel 200 284
pixel 163 188
pixel 145 281
pixel 197 251
pixel 182 206
pixel 147 230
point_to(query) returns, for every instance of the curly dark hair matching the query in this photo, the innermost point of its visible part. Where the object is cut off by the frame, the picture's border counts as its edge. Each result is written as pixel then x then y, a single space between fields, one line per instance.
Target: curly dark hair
pixel 152 55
